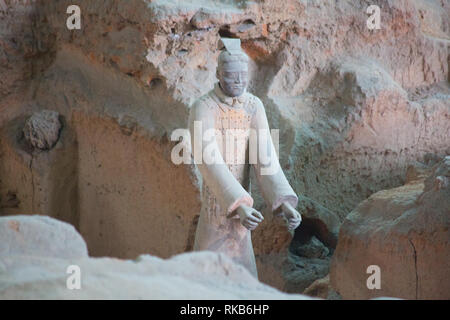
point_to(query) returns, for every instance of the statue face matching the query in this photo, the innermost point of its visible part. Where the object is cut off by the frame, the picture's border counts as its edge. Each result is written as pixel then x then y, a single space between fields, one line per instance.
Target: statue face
pixel 233 78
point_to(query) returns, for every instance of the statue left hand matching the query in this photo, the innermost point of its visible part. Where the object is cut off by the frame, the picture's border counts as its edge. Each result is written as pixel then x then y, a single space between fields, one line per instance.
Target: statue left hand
pixel 293 216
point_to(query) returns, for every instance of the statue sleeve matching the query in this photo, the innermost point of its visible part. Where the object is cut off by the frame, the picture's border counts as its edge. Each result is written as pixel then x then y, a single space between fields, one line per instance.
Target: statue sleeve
pixel 271 180
pixel 215 173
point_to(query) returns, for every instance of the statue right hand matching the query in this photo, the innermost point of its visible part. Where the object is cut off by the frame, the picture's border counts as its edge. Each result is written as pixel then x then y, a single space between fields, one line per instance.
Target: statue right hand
pixel 250 218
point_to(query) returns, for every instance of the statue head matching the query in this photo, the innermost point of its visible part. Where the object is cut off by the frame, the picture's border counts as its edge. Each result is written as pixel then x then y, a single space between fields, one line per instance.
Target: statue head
pixel 232 68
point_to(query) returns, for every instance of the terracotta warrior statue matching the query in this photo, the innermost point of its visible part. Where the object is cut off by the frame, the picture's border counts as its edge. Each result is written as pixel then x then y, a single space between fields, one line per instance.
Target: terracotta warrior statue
pixel 227 215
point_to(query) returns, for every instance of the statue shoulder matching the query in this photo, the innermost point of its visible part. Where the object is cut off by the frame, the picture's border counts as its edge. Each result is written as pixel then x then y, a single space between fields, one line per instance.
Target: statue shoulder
pixel 254 103
pixel 204 103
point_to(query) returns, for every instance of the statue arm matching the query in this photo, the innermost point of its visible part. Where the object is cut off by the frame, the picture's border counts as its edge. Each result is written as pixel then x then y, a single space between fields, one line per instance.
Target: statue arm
pixel 228 191
pixel 272 182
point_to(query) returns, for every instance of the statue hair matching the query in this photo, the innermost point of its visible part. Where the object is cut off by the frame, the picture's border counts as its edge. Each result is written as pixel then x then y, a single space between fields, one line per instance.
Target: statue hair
pixel 225 57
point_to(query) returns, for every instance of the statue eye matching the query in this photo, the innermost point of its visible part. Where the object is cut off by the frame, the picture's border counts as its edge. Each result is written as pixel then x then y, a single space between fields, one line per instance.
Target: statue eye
pixel 230 74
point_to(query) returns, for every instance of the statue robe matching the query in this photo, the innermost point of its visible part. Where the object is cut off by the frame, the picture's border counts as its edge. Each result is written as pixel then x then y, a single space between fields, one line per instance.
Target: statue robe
pixel 226 182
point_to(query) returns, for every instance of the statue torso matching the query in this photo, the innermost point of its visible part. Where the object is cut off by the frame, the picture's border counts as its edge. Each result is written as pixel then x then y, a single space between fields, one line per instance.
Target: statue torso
pixel 237 119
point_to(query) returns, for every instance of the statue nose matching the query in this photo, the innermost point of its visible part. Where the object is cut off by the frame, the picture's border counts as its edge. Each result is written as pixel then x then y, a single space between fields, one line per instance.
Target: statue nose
pixel 239 79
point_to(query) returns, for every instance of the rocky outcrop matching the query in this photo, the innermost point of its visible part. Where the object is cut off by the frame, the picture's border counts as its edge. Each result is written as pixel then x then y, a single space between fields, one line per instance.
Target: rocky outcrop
pixel 287 261
pixel 405 232
pixel 312 249
pixel 39 256
pixel 42 129
pixel 321 288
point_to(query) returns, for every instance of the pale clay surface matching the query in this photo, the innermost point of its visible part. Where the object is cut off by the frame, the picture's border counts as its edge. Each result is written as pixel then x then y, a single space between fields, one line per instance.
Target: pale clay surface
pixel 40 249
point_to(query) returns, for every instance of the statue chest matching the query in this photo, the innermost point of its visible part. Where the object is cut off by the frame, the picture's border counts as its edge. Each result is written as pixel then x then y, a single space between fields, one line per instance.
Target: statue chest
pixel 232 135
pixel 232 132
